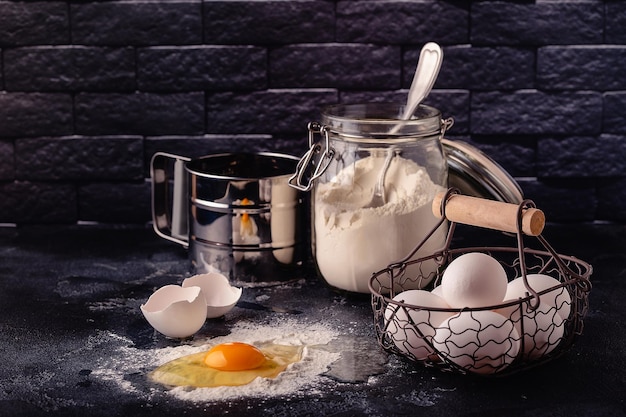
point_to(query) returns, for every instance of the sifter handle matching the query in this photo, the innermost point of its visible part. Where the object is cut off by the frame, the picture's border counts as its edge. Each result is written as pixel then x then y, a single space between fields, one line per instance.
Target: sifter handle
pixel 489 214
pixel 170 221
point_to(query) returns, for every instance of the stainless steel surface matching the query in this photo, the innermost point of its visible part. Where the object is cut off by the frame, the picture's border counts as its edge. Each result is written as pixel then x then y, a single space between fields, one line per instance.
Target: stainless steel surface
pixel 476 174
pixel 312 165
pixel 244 220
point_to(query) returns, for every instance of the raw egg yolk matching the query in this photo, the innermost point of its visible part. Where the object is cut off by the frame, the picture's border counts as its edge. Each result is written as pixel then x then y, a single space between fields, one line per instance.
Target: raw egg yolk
pixel 228 364
pixel 235 356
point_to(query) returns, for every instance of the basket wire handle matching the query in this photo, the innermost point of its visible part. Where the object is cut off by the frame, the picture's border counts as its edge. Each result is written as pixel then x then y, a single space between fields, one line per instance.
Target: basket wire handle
pixel 524 205
pixel 398 268
pixel 521 219
pixel 582 280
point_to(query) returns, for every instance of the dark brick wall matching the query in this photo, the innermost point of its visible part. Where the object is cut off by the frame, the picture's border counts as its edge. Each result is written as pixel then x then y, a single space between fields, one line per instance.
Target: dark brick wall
pixel 90 90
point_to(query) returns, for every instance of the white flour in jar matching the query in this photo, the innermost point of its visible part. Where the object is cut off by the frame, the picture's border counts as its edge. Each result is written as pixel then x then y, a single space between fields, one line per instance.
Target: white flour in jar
pixel 352 242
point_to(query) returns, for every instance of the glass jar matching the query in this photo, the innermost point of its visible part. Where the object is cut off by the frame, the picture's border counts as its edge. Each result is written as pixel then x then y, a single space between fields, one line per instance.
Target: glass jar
pixel 351 240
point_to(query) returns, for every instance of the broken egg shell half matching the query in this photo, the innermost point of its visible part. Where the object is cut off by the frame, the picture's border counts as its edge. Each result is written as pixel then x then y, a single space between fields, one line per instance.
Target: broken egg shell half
pixel 219 295
pixel 175 311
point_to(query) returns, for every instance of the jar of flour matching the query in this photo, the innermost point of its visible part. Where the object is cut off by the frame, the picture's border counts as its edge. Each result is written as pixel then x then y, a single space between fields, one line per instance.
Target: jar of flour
pixel 348 150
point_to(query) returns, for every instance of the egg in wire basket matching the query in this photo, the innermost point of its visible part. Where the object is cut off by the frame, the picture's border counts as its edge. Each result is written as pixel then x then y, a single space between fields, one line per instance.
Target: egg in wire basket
pixel 536 320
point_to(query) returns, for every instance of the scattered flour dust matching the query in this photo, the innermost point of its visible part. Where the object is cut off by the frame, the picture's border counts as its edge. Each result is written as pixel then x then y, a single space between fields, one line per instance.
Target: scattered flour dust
pixel 301 377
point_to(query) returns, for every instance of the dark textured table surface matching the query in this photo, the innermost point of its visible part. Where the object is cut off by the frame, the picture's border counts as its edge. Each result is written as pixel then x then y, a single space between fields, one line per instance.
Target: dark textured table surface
pixel 69 304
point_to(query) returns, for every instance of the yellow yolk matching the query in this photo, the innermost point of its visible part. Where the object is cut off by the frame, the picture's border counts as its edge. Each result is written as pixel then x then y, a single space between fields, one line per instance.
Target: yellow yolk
pixel 211 368
pixel 234 356
pixel 246 228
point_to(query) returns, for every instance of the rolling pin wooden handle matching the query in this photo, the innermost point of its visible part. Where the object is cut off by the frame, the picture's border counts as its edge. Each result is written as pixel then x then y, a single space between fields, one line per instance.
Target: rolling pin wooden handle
pixel 489 214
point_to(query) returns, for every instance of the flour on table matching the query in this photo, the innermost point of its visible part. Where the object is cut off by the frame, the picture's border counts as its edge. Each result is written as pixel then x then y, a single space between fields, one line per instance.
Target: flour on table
pixel 300 378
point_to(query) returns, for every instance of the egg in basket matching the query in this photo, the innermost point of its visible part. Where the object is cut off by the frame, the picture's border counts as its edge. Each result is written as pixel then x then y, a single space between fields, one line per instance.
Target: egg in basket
pixel 489 310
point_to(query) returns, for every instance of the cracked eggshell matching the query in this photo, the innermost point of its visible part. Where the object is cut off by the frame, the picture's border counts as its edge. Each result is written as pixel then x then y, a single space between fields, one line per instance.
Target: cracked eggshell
pixel 219 295
pixel 175 311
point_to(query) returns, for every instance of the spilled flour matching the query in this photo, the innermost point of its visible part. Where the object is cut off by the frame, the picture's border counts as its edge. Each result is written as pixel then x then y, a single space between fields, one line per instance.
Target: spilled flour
pixel 303 377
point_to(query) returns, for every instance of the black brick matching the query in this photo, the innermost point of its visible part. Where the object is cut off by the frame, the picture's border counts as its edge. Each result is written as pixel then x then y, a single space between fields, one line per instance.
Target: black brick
pixel 534 112
pixel 369 96
pixel 480 68
pixel 402 22
pixel 581 67
pixel 454 104
pixel 33 23
pixel 137 23
pixel 141 113
pixel 35 114
pixel 612 200
pixel 289 144
pixel 272 111
pixel 563 201
pixel 615 22
pixel 7 165
pixel 582 156
pixel 614 119
pixel 54 68
pixel 202 68
pixel 115 202
pixel 537 85
pixel 268 22
pixel 516 155
pixel 28 202
pixel 451 103
pixel 508 23
pixel 79 158
pixel 340 66
pixel 198 146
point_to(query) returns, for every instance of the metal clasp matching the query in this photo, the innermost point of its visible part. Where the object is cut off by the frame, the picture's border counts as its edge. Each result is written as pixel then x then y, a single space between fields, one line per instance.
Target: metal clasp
pixel 298 180
pixel 446 124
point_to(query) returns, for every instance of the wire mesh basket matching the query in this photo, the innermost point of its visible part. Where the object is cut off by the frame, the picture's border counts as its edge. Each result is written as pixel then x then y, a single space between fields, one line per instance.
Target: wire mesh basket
pixel 516 333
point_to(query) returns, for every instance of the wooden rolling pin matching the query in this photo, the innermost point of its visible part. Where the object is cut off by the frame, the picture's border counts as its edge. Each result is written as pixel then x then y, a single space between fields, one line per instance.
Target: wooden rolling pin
pixel 489 214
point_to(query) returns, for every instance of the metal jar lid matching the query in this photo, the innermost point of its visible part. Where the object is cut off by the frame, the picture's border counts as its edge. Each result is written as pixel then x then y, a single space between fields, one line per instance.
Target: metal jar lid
pixel 476 174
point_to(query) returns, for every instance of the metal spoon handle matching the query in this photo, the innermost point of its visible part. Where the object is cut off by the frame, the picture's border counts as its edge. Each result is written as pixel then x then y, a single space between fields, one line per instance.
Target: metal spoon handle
pixel 380 186
pixel 378 196
pixel 426 73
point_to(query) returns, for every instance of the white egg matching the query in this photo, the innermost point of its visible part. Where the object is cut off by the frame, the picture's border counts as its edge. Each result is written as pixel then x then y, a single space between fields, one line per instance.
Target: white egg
pixel 482 342
pixel 219 295
pixel 437 291
pixel 405 329
pixel 542 329
pixel 474 280
pixel 558 298
pixel 175 311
